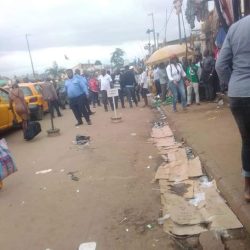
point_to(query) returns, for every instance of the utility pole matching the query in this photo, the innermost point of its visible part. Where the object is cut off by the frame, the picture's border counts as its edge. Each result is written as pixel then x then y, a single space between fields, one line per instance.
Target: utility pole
pixel 178 8
pixel 179 24
pixel 149 41
pixel 153 23
pixel 31 61
pixel 158 36
pixel 165 38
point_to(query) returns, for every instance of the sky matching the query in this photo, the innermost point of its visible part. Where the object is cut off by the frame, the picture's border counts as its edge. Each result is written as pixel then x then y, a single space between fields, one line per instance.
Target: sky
pixel 84 30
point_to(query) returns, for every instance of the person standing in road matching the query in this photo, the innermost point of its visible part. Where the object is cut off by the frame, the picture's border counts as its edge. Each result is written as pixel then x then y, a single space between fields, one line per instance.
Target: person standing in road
pixel 49 94
pixel 18 105
pixel 176 75
pixel 144 86
pixel 130 83
pixel 117 85
pixel 193 82
pixel 85 95
pixel 156 78
pixel 163 77
pixel 208 64
pixel 76 89
pixel 233 67
pixel 94 88
pixel 105 83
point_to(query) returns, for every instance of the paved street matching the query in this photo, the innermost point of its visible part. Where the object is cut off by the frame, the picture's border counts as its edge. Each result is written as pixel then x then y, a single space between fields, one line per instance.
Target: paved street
pixel 111 204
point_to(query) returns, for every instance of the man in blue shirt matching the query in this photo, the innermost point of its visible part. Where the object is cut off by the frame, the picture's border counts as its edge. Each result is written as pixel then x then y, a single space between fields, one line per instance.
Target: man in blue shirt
pixel 86 96
pixel 76 89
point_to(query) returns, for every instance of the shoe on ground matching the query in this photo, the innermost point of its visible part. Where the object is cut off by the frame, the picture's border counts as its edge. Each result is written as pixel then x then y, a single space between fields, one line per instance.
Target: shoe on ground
pixel 79 124
pixel 89 122
pixel 198 104
pixel 91 113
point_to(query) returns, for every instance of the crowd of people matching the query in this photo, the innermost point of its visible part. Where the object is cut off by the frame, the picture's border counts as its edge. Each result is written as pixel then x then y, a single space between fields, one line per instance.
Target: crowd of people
pixel 187 81
pixel 191 80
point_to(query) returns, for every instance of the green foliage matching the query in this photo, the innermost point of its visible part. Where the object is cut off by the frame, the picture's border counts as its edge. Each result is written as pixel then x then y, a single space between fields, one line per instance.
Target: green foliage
pixel 117 58
pixel 55 71
pixel 98 62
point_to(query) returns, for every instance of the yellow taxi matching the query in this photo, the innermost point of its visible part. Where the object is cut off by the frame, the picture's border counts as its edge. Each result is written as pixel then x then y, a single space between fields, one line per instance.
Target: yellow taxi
pixel 33 97
pixel 6 115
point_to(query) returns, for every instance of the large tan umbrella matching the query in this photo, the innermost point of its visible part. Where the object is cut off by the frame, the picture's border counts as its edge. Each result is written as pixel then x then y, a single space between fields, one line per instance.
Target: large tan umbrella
pixel 164 54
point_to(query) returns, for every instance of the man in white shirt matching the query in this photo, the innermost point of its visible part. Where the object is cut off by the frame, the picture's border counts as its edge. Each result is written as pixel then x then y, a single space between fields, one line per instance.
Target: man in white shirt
pixel 144 86
pixel 157 80
pixel 105 85
pixel 176 76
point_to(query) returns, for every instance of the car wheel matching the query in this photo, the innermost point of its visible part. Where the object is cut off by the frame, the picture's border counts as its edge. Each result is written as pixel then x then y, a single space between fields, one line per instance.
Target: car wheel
pixel 39 114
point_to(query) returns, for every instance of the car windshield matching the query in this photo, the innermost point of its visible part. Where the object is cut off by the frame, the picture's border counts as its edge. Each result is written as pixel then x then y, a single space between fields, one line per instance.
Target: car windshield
pixel 38 88
pixel 26 91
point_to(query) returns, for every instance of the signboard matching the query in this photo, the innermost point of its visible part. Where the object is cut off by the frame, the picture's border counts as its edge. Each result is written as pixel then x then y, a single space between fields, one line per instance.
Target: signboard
pixel 112 92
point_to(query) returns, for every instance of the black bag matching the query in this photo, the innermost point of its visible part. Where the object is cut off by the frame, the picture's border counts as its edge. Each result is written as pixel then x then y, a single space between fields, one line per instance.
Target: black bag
pixel 33 129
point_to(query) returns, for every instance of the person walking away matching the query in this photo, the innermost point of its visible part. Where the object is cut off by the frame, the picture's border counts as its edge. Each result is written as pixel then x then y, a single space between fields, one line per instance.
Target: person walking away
pixel 193 83
pixel 130 82
pixel 176 75
pixel 105 83
pixel 156 79
pixel 233 67
pixel 137 86
pixel 208 64
pixel 18 105
pixel 163 77
pixel 184 63
pixel 94 88
pixel 118 85
pixel 49 94
pixel 144 86
pixel 76 89
pixel 85 95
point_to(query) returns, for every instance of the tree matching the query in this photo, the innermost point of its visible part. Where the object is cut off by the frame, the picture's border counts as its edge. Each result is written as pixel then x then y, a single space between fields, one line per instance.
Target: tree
pixel 117 58
pixel 55 71
pixel 97 63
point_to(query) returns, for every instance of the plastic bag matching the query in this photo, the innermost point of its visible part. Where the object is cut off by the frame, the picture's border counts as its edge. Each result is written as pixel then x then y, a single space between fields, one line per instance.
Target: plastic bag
pixel 7 164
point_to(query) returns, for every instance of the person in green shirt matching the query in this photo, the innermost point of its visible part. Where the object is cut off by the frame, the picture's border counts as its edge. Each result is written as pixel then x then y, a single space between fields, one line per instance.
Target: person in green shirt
pixel 193 82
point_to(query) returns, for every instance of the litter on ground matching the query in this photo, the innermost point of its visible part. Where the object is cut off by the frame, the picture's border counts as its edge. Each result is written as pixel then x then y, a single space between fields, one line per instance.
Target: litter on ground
pixel 191 202
pixel 44 171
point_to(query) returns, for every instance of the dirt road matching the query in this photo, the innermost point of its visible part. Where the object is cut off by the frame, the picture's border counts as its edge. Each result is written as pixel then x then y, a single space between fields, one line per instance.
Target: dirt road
pixel 111 204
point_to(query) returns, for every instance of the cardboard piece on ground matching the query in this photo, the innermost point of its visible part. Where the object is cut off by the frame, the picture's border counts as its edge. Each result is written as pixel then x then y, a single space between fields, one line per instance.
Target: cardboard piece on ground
pixel 181 212
pixel 167 149
pixel 184 188
pixel 179 154
pixel 171 227
pixel 165 142
pixel 164 186
pixel 162 172
pixel 161 132
pixel 167 131
pixel 194 167
pixel 217 211
pixel 178 171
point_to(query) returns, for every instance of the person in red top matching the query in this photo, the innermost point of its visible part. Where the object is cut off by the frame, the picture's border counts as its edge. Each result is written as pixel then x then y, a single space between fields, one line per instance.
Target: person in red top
pixel 94 88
